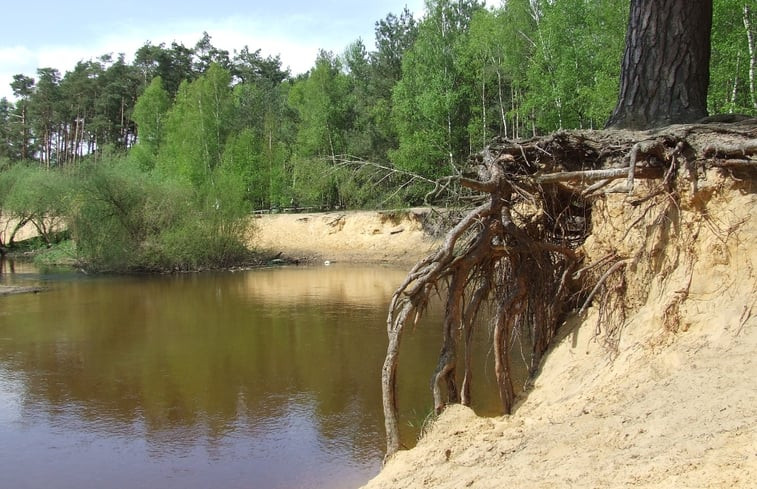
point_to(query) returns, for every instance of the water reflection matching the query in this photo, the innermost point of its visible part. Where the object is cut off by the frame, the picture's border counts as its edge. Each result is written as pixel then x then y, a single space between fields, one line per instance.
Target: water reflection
pixel 267 378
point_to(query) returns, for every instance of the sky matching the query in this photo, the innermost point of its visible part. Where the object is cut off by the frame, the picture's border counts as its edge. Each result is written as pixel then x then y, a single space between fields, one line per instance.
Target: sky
pixel 58 34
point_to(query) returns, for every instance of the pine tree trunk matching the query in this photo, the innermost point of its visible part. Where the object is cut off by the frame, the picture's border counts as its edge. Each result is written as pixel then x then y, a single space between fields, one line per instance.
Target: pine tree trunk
pixel 665 69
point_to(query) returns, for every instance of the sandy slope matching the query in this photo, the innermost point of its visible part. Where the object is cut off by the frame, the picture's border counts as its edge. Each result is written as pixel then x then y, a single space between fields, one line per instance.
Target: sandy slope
pixel 675 404
pixel 6 228
pixel 363 236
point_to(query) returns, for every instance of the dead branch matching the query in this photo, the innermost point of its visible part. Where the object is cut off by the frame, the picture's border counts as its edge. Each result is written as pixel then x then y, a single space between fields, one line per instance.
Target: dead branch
pixel 593 175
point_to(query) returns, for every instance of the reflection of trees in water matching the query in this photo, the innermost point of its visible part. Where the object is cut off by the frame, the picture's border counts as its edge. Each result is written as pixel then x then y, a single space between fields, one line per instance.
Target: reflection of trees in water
pixel 198 358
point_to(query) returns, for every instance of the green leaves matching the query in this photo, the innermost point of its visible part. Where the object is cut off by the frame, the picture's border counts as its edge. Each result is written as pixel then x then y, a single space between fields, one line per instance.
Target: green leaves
pixel 433 91
pixel 197 127
pixel 322 103
pixel 432 101
pixel 732 86
pixel 572 79
pixel 149 114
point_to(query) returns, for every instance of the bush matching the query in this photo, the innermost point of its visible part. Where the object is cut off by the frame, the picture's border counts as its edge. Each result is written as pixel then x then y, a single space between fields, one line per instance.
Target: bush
pixel 29 193
pixel 126 219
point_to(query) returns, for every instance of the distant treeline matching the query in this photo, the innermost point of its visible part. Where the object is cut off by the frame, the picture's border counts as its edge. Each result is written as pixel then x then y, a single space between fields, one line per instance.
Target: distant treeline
pixel 361 128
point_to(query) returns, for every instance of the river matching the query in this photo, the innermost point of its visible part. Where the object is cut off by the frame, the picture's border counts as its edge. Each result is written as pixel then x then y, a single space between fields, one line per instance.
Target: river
pixel 257 379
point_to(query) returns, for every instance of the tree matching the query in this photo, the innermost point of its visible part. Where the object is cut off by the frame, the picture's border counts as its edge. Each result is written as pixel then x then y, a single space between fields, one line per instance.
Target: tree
pixel 6 112
pixel 526 234
pixel 320 100
pixel 573 74
pixel 260 139
pixel 118 87
pixel 732 67
pixel 23 87
pixel 78 90
pixel 394 36
pixel 150 115
pixel 30 194
pixel 431 101
pixel 173 64
pixel 44 108
pixel 665 69
pixel 206 54
pixel 251 67
pixel 196 127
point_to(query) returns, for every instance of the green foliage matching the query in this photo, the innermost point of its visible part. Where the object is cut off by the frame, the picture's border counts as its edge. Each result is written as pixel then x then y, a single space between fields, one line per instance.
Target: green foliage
pixel 196 128
pixel 150 114
pixel 313 183
pixel 61 252
pixel 572 78
pixel 210 135
pixel 321 101
pixel 32 194
pixel 499 41
pixel 125 219
pixel 730 90
pixel 261 139
pixel 395 35
pixel 431 102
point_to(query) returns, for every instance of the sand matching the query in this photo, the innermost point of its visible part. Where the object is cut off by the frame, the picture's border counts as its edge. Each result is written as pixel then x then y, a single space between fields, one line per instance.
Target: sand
pixel 673 404
pixel 395 237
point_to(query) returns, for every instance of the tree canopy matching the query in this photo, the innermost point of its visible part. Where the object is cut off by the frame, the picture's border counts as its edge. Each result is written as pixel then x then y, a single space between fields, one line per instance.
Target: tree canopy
pixel 430 92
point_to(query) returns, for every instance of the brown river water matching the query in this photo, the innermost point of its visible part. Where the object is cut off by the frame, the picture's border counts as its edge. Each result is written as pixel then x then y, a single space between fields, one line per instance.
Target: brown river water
pixel 257 379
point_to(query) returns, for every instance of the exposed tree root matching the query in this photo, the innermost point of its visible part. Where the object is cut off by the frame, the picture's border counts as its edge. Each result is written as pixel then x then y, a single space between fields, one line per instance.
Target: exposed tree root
pixel 519 252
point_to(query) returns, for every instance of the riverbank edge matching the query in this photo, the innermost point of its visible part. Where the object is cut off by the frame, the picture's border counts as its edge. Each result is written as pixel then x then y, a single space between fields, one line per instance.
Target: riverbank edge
pixel 399 237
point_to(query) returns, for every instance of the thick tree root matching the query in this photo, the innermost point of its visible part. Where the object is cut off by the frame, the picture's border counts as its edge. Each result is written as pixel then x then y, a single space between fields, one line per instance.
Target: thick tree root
pixel 520 250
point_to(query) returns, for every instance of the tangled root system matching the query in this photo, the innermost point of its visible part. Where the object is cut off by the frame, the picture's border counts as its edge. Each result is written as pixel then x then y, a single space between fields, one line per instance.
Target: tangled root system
pixel 519 252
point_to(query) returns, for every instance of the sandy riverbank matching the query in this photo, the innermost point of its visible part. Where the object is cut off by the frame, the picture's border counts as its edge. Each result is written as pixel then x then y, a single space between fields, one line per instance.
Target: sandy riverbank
pixel 397 237
pixel 672 405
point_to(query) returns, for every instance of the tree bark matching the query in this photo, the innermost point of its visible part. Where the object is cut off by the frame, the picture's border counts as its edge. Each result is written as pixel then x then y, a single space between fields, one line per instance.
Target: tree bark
pixel 665 70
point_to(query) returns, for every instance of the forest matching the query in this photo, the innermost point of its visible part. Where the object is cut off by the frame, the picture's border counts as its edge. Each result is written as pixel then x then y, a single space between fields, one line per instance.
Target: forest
pixel 154 160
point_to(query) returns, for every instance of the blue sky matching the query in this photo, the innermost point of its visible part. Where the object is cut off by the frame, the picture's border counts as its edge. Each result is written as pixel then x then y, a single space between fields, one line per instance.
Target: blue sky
pixel 59 33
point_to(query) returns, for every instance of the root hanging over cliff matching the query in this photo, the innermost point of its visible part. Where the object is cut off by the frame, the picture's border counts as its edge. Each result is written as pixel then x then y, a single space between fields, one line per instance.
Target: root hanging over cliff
pixel 518 255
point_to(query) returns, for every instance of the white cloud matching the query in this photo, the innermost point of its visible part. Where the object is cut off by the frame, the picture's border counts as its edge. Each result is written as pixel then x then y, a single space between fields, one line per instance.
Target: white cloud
pixel 10 58
pixel 14 54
